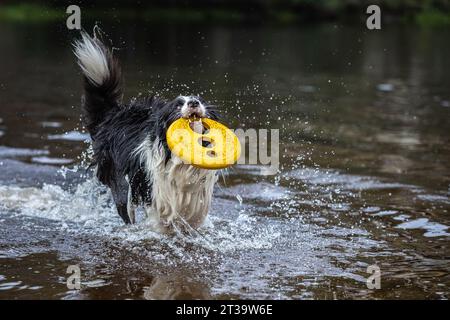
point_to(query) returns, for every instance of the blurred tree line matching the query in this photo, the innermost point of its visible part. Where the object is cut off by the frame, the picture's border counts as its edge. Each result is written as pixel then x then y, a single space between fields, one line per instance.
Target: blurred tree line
pixel 283 11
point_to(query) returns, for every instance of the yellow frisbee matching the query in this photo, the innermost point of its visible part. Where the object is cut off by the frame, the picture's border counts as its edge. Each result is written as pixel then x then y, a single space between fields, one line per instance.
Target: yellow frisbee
pixel 204 143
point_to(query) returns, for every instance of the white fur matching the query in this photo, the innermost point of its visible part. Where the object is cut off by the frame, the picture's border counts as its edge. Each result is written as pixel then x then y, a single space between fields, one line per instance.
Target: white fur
pixel 180 193
pixel 186 112
pixel 130 206
pixel 92 60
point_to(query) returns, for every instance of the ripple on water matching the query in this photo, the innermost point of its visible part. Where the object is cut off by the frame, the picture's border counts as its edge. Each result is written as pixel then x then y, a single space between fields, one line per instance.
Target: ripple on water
pixel 75 209
pixel 8 152
pixel 51 124
pixel 70 136
pixel 9 285
pixel 53 161
pixel 252 247
pixel 433 229
pixel 343 181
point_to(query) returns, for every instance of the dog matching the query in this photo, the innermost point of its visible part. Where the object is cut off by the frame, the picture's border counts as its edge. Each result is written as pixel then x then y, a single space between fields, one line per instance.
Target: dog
pixel 130 151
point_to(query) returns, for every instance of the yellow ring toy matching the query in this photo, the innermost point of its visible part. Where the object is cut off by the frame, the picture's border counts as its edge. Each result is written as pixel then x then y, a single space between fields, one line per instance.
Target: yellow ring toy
pixel 203 143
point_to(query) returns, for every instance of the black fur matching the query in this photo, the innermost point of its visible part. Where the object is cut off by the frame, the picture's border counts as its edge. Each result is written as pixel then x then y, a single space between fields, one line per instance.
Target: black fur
pixel 118 129
pixel 99 99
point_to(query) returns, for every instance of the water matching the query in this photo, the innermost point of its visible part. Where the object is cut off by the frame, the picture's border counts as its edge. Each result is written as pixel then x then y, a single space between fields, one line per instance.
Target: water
pixel 364 177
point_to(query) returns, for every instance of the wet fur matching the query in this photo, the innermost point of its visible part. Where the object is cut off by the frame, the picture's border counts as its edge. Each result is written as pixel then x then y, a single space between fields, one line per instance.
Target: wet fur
pixel 130 149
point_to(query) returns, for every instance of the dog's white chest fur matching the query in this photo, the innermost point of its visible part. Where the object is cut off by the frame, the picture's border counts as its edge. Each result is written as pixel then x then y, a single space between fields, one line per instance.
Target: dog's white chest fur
pixel 180 193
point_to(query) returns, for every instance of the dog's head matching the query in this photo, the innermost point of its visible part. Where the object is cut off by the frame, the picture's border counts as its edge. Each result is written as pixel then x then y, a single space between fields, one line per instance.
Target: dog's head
pixel 187 107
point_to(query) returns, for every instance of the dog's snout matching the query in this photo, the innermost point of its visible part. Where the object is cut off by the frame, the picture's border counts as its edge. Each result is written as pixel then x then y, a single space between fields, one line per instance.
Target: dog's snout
pixel 193 104
pixel 192 107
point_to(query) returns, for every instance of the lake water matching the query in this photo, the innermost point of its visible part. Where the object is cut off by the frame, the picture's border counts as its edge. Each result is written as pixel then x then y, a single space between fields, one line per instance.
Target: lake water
pixel 364 120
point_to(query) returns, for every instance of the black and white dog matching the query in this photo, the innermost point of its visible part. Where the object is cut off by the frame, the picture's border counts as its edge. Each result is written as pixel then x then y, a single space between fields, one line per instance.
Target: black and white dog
pixel 131 155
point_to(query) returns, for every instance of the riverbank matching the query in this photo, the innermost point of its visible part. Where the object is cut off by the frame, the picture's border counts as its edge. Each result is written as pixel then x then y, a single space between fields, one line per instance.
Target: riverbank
pixel 302 12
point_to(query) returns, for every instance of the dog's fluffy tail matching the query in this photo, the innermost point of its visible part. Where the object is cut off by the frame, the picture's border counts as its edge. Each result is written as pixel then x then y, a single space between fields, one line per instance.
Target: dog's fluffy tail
pixel 102 80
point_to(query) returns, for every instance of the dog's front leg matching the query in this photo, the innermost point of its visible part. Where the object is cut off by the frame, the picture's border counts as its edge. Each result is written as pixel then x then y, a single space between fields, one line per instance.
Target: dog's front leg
pixel 120 192
pixel 131 208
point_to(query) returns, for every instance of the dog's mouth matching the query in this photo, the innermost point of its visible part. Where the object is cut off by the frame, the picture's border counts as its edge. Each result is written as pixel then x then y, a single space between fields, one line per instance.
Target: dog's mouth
pixel 194 114
pixel 198 126
pixel 189 112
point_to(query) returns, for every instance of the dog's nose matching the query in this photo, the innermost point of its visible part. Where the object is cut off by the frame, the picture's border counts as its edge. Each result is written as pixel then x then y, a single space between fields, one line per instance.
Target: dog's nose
pixel 193 104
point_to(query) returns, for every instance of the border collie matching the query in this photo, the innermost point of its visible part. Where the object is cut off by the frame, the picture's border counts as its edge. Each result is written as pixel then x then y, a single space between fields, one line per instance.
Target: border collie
pixel 131 155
